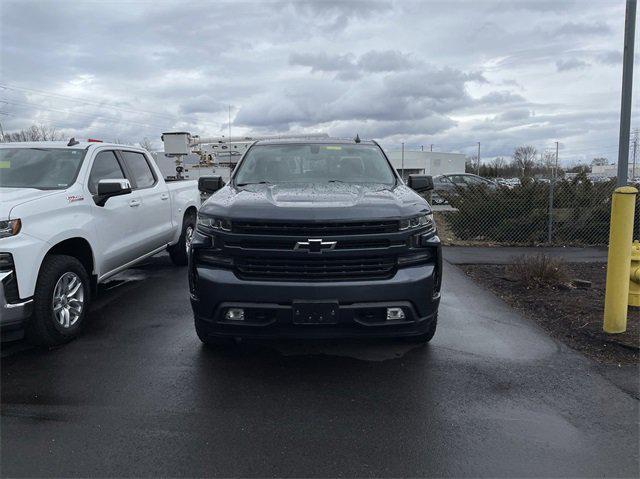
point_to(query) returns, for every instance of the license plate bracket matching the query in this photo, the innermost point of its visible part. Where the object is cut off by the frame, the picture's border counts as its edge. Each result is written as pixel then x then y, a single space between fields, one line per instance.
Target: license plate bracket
pixel 315 312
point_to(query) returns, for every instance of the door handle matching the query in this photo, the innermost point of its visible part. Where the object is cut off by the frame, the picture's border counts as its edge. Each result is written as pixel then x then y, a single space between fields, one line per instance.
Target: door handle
pixel 133 203
pixel 164 196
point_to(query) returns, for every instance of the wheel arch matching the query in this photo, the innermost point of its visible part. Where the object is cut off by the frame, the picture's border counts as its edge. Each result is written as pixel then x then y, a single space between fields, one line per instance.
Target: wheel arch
pixel 80 249
pixel 191 210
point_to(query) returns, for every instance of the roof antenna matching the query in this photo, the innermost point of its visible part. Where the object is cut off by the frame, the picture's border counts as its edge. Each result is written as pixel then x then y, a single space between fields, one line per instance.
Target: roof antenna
pixel 357 138
pixel 73 142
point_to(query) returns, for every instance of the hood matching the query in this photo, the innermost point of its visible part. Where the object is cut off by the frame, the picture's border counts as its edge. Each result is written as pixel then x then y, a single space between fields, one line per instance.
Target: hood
pixel 334 201
pixel 12 197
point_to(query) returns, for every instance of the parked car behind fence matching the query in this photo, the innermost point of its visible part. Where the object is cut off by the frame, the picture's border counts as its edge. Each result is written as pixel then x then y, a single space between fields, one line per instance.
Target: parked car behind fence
pixel 448 185
pixel 575 212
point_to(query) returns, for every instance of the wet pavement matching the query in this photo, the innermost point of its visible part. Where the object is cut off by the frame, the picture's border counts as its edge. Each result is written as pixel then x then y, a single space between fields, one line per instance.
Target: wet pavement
pixel 137 395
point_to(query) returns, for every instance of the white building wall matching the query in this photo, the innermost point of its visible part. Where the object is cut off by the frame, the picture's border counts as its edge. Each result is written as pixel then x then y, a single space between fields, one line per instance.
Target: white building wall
pixel 432 163
pixel 611 171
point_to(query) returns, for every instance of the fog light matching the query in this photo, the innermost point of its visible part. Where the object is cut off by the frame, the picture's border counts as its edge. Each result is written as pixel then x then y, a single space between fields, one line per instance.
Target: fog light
pixel 394 314
pixel 234 314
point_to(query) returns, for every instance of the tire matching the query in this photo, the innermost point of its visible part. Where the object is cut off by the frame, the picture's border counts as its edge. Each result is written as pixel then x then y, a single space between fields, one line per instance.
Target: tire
pixel 179 252
pixel 427 336
pixel 59 276
pixel 212 342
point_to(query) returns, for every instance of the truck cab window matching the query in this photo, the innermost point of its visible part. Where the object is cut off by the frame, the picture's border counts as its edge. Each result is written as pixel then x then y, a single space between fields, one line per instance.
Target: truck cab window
pixel 105 167
pixel 143 177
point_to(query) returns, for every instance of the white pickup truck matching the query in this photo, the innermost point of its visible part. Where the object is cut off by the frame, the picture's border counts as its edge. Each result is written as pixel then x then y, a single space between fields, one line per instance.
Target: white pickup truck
pixel 74 214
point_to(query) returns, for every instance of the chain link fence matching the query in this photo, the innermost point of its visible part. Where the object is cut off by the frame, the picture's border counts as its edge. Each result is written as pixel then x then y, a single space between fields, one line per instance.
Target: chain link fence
pixel 534 212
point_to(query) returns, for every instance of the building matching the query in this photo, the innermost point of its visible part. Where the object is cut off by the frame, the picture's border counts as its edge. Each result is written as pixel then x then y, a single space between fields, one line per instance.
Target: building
pixel 611 171
pixel 432 163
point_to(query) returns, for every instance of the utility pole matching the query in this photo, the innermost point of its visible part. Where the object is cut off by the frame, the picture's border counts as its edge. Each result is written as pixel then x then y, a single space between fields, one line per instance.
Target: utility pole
pixel 402 162
pixel 635 148
pixel 478 158
pixel 627 88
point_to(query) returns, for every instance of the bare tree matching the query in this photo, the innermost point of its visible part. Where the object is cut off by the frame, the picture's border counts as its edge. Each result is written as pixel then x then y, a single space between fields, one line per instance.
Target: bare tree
pixel 549 159
pixel 145 143
pixel 579 168
pixel 525 159
pixel 33 133
pixel 498 163
pixel 470 164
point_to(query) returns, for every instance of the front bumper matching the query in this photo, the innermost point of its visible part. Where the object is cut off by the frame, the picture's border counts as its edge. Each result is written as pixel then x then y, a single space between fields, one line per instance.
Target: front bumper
pixel 361 305
pixel 12 314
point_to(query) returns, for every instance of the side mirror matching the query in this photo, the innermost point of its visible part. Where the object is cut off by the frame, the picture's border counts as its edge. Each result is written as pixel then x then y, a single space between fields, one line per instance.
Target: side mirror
pixel 420 183
pixel 110 188
pixel 210 184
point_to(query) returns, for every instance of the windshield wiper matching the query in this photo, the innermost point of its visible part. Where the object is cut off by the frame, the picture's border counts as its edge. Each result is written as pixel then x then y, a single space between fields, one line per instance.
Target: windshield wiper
pixel 337 181
pixel 254 183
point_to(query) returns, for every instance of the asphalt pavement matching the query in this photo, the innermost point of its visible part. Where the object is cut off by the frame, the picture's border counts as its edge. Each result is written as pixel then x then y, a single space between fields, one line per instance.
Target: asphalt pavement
pixel 137 395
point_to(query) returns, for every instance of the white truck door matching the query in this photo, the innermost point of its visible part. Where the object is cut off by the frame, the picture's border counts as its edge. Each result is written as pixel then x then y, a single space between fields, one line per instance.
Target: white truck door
pixel 114 222
pixel 155 227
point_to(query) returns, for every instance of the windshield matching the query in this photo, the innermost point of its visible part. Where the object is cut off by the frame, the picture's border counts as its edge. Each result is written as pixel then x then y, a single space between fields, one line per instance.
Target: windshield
pixel 313 163
pixel 41 168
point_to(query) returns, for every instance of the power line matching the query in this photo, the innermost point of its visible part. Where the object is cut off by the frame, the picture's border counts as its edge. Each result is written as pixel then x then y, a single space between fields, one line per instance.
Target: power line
pixel 88 115
pixel 88 102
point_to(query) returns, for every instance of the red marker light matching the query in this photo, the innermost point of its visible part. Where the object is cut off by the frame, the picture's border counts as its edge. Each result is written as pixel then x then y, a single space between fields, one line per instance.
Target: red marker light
pixel 93 140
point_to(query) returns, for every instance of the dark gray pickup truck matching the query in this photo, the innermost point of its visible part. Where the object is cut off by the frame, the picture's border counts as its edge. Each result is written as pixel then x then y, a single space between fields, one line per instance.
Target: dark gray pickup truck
pixel 315 239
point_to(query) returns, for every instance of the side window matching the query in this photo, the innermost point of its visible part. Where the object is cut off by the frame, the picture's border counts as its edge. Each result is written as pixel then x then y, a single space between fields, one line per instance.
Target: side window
pixel 472 180
pixel 140 170
pixel 105 167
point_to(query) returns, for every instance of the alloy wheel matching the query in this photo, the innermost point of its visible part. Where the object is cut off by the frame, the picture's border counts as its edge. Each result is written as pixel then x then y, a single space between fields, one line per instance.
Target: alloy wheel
pixel 68 299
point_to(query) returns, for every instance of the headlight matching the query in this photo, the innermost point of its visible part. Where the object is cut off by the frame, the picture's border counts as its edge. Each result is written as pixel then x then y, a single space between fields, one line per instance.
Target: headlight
pixel 417 222
pixel 218 224
pixel 10 228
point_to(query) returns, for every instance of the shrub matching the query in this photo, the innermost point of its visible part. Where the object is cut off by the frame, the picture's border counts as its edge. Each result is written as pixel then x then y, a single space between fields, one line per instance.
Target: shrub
pixel 582 212
pixel 537 271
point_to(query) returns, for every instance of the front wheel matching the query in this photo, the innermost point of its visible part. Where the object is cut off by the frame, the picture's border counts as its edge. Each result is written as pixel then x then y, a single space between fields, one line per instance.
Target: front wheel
pixel 212 342
pixel 179 252
pixel 60 301
pixel 427 335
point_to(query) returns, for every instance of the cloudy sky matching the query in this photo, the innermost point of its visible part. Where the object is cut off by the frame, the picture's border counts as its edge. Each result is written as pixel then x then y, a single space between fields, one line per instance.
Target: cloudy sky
pixel 450 74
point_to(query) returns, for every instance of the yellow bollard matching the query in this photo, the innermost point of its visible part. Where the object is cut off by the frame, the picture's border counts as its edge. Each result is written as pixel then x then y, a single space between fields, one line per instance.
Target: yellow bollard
pixel 634 286
pixel 619 259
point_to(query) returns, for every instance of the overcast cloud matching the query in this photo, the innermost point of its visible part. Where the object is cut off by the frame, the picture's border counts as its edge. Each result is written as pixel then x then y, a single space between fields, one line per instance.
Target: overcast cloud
pixel 443 73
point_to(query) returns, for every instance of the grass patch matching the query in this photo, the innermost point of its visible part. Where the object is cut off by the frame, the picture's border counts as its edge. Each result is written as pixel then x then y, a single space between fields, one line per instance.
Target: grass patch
pixel 538 271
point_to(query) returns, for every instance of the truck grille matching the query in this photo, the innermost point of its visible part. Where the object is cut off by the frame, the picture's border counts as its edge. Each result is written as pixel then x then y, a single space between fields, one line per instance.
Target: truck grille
pixel 316 269
pixel 266 243
pixel 316 229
